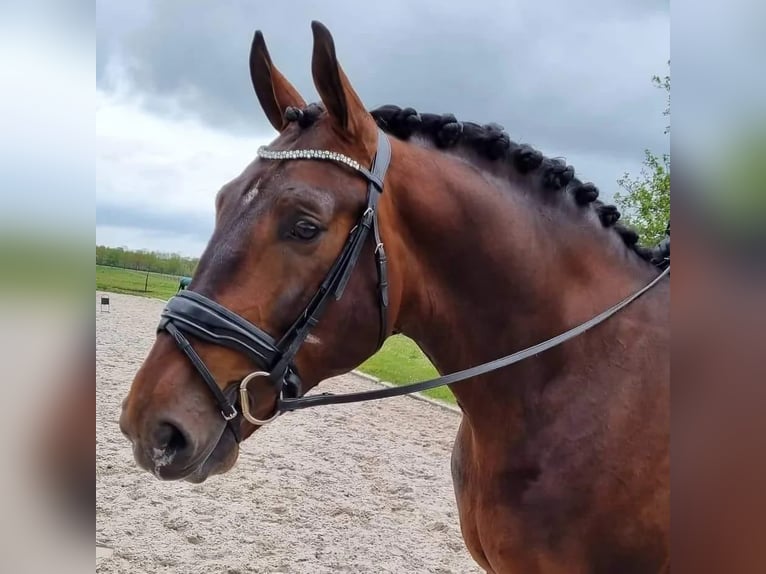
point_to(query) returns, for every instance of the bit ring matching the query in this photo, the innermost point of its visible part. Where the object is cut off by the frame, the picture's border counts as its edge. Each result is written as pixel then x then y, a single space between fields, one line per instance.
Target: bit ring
pixel 245 400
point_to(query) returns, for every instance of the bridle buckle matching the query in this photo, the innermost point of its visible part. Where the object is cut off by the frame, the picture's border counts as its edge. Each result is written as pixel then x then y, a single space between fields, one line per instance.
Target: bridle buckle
pixel 231 415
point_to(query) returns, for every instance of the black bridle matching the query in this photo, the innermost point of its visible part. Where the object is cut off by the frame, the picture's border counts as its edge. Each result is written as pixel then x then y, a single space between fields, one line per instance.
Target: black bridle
pixel 189 313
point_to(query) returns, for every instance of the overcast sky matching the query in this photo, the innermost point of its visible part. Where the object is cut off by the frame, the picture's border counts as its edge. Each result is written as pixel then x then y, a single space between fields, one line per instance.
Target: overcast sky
pixel 176 116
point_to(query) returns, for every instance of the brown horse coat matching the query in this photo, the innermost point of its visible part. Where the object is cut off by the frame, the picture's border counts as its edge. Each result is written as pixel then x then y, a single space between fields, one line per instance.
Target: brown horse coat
pixel 561 463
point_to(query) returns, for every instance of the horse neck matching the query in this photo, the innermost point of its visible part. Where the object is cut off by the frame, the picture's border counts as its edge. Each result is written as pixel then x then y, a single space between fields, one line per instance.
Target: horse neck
pixel 487 269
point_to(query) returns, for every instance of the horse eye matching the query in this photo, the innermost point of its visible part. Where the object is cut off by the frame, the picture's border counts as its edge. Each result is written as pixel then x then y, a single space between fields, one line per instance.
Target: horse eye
pixel 304 230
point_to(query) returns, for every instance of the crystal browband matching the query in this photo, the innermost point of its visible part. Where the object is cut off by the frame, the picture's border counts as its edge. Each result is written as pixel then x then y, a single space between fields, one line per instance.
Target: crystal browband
pixel 266 153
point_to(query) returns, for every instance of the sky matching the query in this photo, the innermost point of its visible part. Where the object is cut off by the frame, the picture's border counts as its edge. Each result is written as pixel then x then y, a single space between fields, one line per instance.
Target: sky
pixel 176 116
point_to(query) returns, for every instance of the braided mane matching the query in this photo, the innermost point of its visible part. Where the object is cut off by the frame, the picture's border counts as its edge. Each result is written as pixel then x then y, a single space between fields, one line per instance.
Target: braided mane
pixel 491 142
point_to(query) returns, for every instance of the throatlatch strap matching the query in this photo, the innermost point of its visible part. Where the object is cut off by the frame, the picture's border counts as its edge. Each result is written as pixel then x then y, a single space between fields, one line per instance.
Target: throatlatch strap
pixel 379 167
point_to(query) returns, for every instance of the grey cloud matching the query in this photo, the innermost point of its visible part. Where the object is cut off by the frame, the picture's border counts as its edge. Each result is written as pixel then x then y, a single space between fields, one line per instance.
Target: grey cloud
pixel 182 224
pixel 558 74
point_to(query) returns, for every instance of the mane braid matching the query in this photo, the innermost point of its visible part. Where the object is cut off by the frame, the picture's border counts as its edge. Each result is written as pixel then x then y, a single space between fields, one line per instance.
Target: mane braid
pixel 492 142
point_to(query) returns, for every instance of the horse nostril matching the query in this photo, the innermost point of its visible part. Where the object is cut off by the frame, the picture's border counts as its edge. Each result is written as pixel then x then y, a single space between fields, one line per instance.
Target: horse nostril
pixel 169 439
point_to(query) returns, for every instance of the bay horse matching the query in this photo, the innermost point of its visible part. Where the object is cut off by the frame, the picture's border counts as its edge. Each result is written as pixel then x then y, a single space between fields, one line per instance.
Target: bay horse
pixel 472 245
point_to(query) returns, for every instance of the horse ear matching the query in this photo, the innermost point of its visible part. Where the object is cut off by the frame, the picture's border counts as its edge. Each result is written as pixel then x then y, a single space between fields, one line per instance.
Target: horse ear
pixel 341 101
pixel 273 90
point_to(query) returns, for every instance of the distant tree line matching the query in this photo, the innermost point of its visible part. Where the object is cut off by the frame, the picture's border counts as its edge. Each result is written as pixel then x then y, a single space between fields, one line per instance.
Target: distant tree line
pixel 143 260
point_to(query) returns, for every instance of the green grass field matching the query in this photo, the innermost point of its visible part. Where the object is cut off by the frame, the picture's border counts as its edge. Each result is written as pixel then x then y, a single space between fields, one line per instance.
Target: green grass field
pixel 400 361
pixel 132 282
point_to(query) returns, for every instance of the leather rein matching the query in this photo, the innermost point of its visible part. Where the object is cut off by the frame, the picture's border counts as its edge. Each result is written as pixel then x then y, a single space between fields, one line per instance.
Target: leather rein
pixel 190 313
